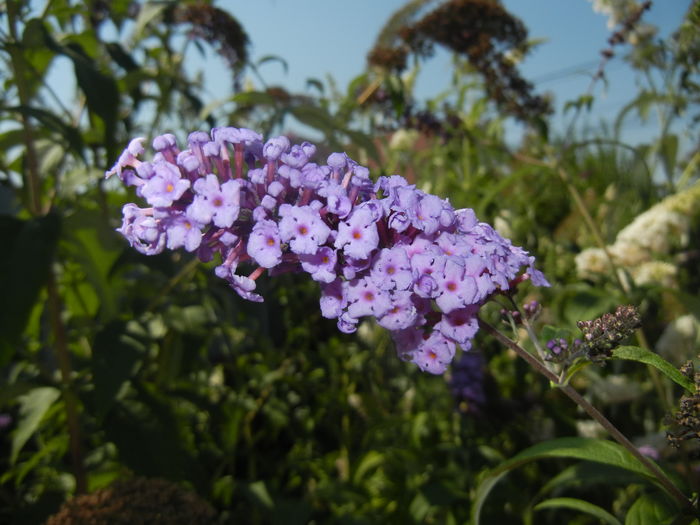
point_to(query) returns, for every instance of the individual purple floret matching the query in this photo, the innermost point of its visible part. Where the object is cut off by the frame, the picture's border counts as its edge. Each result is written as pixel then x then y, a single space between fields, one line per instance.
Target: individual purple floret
pixel 183 232
pixel 434 353
pixel 215 202
pixel 321 265
pixel 358 235
pixel 303 228
pixel 264 244
pixel 165 186
pixel 366 298
pixel 383 250
pixel 392 269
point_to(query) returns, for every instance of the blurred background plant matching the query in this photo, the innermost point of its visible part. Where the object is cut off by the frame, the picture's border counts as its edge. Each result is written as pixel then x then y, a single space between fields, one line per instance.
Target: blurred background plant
pixel 115 365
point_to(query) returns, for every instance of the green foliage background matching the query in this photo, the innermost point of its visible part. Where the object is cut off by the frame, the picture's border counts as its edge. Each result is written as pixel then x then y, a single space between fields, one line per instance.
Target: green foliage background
pixel 114 364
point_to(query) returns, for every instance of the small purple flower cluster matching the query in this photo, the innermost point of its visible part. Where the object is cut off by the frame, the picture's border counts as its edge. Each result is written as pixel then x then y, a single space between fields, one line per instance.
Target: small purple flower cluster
pixel 386 250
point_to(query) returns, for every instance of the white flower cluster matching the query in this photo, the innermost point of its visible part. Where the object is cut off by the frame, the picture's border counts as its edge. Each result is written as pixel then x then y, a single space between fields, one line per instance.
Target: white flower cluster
pixel 641 247
pixel 617 12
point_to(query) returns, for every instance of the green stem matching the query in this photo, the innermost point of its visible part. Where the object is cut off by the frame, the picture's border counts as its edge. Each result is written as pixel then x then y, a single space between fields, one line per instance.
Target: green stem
pixel 172 283
pixel 32 184
pixel 593 412
pixel 32 181
pixel 69 397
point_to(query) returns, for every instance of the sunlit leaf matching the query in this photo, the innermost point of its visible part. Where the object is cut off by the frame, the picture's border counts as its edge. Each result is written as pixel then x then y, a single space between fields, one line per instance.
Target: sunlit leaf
pixel 651 509
pixel 599 451
pixel 261 495
pixel 369 461
pixel 90 241
pixel 581 506
pixel 635 353
pixel 148 13
pixel 33 407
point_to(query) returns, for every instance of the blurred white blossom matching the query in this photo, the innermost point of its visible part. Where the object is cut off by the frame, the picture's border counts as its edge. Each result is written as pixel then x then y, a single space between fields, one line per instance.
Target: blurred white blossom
pixel 618 11
pixel 403 139
pixel 592 262
pixel 680 340
pixel 642 247
pixel 655 273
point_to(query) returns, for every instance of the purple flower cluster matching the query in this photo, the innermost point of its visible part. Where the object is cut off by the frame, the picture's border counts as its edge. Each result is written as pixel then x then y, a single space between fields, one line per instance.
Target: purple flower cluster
pixel 385 250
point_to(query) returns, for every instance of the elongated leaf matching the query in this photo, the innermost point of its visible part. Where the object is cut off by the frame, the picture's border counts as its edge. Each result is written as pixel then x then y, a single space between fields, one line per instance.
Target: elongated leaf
pixel 151 439
pixel 635 353
pixel 51 121
pixel 100 89
pixel 598 450
pixel 314 116
pixel 90 242
pixel 259 493
pixel 315 83
pixel 273 58
pixel 583 506
pixel 587 474
pixel 149 12
pixel 114 358
pixel 370 461
pixel 364 141
pixel 651 509
pixel 24 269
pixel 254 98
pixel 582 102
pixel 33 406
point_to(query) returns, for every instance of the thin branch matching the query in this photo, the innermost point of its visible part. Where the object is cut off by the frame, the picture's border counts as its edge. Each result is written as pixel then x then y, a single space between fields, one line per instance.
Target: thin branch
pixel 595 414
pixel 69 398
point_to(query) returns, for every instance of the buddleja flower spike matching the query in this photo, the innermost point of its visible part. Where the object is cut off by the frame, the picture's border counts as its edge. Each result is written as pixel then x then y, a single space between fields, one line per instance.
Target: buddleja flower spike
pixel 385 250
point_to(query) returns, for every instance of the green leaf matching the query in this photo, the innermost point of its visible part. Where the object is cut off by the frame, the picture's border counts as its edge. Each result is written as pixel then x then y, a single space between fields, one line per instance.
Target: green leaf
pixel 314 116
pixel 364 141
pixel 150 437
pixel 587 474
pixel 575 368
pixel 33 407
pixel 148 12
pixel 100 89
pixel 635 353
pixel 254 98
pixel 582 102
pixel 260 494
pixel 370 461
pixel 114 358
pixel 91 242
pixel 67 132
pixel 668 151
pixel 580 505
pixel 597 450
pixel 273 58
pixel 651 509
pixel 24 270
pixel 315 83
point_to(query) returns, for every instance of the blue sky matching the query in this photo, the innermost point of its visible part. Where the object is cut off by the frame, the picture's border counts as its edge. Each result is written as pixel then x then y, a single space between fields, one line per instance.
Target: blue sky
pixel 328 37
